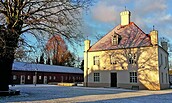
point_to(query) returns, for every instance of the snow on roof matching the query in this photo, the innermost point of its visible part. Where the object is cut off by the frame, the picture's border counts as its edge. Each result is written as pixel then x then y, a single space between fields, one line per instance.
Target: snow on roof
pixel 44 68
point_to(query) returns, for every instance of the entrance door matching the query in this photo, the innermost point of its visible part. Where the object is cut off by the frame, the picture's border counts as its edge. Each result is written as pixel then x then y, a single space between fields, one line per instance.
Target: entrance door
pixel 22 79
pixel 45 79
pixel 113 79
pixel 34 79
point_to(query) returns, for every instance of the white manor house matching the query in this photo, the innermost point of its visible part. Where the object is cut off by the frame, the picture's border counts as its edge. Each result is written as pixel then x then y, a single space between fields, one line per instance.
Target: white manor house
pixel 126 57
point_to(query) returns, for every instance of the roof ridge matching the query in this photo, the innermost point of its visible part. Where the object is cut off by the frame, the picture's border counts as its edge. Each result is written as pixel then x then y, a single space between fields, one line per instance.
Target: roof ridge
pixel 104 42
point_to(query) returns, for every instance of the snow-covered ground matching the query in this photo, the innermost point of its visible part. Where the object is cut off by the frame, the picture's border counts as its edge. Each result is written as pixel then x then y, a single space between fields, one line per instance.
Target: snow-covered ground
pixel 58 94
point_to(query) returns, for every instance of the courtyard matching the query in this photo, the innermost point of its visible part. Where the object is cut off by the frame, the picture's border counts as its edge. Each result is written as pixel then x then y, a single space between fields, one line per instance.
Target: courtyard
pixel 74 94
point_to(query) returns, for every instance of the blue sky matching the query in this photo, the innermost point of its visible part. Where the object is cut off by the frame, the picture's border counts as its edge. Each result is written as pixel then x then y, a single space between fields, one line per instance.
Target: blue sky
pixel 104 15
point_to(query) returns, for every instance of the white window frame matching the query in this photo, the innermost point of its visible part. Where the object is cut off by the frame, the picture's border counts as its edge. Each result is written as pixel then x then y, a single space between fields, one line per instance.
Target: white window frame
pixel 28 77
pixel 161 60
pixel 132 58
pixel 50 77
pixel 166 78
pixel 166 62
pixel 40 77
pixel 96 60
pixel 162 77
pixel 133 77
pixel 112 60
pixel 115 39
pixel 96 77
pixel 14 77
pixel 54 77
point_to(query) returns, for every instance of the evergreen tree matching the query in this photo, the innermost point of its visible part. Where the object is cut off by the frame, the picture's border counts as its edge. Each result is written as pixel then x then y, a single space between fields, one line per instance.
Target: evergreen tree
pixel 48 61
pixel 82 65
pixel 41 61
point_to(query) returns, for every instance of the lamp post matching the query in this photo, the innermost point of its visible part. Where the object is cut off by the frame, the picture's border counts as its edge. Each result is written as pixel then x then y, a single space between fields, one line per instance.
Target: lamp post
pixel 36 76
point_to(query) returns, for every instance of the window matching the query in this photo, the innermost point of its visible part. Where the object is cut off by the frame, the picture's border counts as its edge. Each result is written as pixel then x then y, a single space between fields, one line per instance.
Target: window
pixel 50 77
pixel 161 62
pixel 66 77
pixel 73 78
pixel 96 77
pixel 166 62
pixel 54 77
pixel 39 77
pixel 28 77
pixel 116 39
pixel 14 77
pixel 162 77
pixel 133 77
pixel 132 58
pixel 96 60
pixel 166 78
pixel 112 59
pixel 61 78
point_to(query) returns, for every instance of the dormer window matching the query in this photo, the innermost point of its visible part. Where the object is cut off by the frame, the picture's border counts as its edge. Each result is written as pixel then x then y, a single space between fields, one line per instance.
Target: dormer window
pixel 115 39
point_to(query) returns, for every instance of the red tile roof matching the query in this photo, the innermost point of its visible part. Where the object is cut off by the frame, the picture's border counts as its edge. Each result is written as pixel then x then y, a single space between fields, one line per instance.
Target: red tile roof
pixel 131 36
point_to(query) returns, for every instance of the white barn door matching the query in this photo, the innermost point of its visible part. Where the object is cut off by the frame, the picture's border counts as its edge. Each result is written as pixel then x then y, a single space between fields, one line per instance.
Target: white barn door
pixel 45 79
pixel 22 79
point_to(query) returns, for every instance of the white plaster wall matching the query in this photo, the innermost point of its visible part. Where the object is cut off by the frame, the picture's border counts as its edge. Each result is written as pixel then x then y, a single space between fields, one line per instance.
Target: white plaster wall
pixel 163 67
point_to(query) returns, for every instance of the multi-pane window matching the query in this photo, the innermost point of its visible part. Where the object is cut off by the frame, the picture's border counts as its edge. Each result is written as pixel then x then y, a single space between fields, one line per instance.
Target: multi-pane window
pixel 96 60
pixel 161 62
pixel 166 62
pixel 133 77
pixel 61 78
pixel 28 77
pixel 115 39
pixel 112 59
pixel 39 77
pixel 162 77
pixel 54 77
pixel 96 77
pixel 132 58
pixel 50 77
pixel 66 77
pixel 166 78
pixel 69 77
pixel 14 77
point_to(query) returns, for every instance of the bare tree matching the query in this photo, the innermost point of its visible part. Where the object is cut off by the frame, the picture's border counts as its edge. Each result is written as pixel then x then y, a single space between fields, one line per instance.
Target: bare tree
pixel 38 18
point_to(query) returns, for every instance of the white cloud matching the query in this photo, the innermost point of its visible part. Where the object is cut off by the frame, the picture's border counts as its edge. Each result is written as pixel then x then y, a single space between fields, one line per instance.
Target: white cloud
pixel 104 13
pixel 143 7
pixel 145 13
pixel 166 18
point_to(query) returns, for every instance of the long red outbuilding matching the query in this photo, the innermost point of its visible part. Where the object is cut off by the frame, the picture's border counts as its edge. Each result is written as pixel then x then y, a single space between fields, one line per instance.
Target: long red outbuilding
pixel 31 73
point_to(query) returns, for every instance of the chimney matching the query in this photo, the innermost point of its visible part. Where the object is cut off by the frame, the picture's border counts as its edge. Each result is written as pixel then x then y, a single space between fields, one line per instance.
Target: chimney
pixel 154 37
pixel 87 45
pixel 125 17
pixel 164 45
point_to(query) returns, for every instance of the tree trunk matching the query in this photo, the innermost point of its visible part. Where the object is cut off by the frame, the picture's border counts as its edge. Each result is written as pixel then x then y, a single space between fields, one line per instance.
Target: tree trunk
pixel 7 51
pixel 5 73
